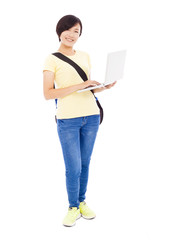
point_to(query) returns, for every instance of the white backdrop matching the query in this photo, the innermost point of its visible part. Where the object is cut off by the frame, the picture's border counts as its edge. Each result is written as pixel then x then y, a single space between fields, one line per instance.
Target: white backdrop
pixel 128 185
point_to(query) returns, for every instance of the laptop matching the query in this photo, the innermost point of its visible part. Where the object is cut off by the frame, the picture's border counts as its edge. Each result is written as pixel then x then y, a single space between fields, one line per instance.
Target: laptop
pixel 114 69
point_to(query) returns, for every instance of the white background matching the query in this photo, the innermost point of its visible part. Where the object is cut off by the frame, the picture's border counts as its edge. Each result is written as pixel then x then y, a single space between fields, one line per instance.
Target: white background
pixel 128 185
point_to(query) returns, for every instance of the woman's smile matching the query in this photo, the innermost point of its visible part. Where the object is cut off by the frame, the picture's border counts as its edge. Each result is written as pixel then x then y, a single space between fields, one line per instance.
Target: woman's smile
pixel 69 39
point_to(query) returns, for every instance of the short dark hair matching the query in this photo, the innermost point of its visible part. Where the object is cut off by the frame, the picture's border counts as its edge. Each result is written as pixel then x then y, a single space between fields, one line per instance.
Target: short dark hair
pixel 66 23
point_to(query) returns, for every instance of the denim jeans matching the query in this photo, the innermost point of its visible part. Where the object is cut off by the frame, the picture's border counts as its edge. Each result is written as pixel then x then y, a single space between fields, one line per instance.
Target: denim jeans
pixel 77 137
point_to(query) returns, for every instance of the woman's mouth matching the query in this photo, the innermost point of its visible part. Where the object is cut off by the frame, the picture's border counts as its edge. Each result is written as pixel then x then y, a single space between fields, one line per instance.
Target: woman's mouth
pixel 69 39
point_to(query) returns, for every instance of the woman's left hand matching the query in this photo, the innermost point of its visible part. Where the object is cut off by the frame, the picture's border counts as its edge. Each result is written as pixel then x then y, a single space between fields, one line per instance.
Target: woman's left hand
pixel 110 85
pixel 104 88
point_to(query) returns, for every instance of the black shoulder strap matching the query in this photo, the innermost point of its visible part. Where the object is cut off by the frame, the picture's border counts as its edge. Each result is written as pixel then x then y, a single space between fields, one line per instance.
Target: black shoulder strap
pixel 73 64
pixel 82 75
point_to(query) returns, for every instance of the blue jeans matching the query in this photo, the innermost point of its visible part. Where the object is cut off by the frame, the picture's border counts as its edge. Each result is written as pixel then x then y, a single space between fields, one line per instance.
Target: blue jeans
pixel 77 137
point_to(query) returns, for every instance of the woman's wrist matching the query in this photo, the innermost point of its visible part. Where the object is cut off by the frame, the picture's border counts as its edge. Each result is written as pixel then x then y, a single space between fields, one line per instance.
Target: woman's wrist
pixel 80 86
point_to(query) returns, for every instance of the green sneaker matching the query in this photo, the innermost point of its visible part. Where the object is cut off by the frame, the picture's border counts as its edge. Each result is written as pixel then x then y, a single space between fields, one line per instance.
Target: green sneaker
pixel 86 212
pixel 71 217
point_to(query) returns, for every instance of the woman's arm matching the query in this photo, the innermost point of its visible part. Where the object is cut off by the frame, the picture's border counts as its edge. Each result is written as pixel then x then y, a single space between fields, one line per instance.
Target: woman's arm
pixel 51 93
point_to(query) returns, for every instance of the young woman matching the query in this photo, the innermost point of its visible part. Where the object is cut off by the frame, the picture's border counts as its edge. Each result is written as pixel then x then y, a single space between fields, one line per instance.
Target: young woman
pixel 77 114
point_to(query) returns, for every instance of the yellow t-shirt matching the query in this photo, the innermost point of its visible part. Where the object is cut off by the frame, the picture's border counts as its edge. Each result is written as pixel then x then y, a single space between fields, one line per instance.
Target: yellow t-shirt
pixel 75 104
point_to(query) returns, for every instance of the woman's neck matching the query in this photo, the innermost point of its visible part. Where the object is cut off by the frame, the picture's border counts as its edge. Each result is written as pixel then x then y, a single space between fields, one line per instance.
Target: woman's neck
pixel 66 50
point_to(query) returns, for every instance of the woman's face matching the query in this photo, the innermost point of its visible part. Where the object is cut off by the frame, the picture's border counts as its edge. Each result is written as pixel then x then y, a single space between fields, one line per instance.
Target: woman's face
pixel 70 36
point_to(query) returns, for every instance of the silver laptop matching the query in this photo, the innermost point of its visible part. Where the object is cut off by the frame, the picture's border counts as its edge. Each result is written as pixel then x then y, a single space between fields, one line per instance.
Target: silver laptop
pixel 114 69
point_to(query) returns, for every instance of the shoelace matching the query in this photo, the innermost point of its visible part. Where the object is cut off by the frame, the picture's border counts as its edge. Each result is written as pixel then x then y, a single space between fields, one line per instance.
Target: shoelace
pixel 72 211
pixel 86 209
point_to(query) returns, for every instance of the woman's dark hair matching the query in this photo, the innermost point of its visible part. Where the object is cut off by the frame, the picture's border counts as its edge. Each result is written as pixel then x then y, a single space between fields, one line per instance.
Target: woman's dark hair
pixel 66 23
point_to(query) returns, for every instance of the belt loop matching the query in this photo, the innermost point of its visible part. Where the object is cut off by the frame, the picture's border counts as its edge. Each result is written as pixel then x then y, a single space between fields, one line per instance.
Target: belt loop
pixel 84 121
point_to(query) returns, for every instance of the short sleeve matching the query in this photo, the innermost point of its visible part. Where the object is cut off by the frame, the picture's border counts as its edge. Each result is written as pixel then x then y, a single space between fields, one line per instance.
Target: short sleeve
pixel 49 64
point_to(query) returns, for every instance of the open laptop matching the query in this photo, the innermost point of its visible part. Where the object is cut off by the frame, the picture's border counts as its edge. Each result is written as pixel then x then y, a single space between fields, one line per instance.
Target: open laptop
pixel 114 69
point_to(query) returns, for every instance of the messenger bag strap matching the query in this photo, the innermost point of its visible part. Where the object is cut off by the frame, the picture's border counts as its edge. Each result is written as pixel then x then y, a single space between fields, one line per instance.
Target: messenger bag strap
pixel 73 64
pixel 82 75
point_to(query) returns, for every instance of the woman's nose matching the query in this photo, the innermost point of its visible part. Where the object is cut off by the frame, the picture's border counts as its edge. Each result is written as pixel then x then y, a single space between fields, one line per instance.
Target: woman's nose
pixel 71 34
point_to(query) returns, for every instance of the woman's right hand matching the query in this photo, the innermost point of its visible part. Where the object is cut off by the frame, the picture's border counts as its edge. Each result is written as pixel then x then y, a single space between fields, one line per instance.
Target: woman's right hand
pixel 51 93
pixel 88 83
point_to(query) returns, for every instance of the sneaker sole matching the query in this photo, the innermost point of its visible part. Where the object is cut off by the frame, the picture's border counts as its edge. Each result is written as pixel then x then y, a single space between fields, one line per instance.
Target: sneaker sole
pixel 88 218
pixel 74 222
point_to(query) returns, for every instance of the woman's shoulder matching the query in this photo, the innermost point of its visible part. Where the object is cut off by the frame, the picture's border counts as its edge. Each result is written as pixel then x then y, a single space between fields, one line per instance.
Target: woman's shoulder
pixel 50 63
pixel 49 57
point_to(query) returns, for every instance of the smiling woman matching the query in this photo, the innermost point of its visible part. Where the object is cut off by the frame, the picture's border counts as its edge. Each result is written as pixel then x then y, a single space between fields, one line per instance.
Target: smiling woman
pixel 78 115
